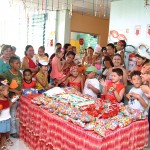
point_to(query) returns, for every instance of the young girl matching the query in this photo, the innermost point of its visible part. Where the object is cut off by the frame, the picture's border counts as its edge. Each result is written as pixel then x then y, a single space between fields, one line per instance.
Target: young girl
pixel 4 115
pixel 57 67
pixel 75 80
pixel 27 79
pixel 41 76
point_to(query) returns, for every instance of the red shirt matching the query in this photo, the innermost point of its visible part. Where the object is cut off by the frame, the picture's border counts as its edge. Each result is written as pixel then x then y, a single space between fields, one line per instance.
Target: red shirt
pixel 110 94
pixel 29 85
pixel 5 103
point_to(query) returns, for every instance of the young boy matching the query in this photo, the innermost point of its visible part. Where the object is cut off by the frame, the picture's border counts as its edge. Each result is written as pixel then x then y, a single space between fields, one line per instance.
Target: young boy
pixel 14 78
pixel 91 86
pixel 114 90
pixel 137 99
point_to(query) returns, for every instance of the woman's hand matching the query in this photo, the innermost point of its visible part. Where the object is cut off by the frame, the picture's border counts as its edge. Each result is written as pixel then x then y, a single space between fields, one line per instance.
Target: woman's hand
pixel 103 83
pixel 145 89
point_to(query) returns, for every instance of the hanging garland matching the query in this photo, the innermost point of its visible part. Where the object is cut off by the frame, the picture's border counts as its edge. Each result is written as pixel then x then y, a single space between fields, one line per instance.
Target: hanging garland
pixel 52 5
pixel 38 5
pixel 82 7
pixel 70 13
pixel 96 8
pixel 93 7
pixel 46 4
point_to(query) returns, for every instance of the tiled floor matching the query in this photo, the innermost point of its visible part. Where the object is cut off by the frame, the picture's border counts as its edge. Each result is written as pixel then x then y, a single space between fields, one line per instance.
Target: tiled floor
pixel 20 145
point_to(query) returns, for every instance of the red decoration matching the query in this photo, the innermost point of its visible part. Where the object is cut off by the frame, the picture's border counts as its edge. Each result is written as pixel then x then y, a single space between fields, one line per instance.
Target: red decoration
pixel 81 41
pixel 121 37
pixel 114 33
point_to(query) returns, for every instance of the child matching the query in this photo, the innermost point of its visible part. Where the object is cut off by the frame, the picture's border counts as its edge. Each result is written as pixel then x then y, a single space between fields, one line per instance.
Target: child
pixel 41 55
pixel 91 86
pixel 137 99
pixel 27 79
pixel 114 90
pixel 75 80
pixel 57 66
pixel 41 76
pixel 14 78
pixel 4 115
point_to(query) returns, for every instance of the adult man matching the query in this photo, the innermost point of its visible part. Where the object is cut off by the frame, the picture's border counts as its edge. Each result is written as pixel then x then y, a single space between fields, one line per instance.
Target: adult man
pixel 110 50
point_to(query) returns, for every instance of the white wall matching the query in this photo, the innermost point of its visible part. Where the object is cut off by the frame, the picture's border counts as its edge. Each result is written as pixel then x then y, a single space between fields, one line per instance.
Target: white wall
pixel 125 15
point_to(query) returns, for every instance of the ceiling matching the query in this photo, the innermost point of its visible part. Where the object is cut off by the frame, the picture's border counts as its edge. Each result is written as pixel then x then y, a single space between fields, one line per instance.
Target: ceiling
pixel 97 8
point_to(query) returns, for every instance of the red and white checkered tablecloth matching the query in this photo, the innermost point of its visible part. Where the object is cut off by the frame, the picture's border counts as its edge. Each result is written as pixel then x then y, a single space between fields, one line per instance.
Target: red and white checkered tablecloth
pixel 42 130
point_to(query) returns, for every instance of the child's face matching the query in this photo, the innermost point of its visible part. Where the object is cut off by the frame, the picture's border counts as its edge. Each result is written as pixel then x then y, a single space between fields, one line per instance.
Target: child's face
pixel 75 72
pixel 116 61
pixel 136 81
pixel 44 68
pixel 90 51
pixel 91 75
pixel 69 58
pixel 28 76
pixel 16 64
pixel 4 90
pixel 60 55
pixel 139 61
pixel 115 77
pixel 41 51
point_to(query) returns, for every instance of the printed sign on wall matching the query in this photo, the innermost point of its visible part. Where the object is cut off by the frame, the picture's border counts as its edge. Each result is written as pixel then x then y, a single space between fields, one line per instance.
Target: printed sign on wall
pixel 148 30
pixel 137 30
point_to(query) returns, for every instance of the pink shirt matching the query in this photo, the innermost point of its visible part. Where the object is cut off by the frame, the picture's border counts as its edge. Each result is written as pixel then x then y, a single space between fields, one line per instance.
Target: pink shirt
pixel 55 74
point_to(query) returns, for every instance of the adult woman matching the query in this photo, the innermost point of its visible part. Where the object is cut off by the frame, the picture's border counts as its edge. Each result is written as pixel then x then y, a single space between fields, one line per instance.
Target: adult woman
pixel 140 61
pixel 145 74
pixel 107 63
pixel 6 52
pixel 117 60
pixel 88 59
pixel 29 62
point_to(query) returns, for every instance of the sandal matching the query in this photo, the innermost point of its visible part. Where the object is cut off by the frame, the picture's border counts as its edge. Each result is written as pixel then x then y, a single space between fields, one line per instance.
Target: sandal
pixel 3 148
pixel 9 142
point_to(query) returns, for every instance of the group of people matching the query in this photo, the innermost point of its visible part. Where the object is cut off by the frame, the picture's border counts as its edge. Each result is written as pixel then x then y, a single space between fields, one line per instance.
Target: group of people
pixel 99 71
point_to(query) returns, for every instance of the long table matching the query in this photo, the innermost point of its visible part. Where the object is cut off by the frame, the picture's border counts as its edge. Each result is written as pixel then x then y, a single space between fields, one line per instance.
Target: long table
pixel 42 130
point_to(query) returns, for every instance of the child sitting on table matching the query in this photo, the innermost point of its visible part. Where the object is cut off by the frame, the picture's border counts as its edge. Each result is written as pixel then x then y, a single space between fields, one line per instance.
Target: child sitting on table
pixel 27 79
pixel 136 97
pixel 75 80
pixel 4 115
pixel 41 77
pixel 114 90
pixel 91 86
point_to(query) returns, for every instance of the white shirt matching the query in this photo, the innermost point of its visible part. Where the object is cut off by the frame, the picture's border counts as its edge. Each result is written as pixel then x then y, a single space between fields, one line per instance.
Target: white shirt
pixel 94 82
pixel 135 104
pixel 5 114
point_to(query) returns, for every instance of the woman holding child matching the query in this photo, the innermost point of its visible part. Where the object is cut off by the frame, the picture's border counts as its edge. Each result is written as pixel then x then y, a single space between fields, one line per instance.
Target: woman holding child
pixel 29 62
pixel 117 64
